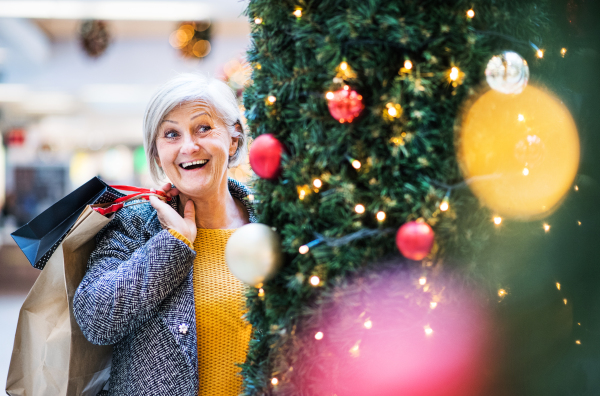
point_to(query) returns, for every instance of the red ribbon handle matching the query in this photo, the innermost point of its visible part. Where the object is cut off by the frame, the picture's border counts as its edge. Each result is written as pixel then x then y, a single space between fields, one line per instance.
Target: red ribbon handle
pixel 138 193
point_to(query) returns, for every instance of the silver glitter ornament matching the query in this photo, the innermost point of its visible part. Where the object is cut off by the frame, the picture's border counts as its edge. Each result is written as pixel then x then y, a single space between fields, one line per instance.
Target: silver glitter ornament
pixel 507 73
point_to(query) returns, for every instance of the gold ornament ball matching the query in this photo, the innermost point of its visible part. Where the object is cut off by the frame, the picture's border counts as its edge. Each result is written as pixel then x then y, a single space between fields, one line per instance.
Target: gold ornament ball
pixel 519 153
pixel 253 253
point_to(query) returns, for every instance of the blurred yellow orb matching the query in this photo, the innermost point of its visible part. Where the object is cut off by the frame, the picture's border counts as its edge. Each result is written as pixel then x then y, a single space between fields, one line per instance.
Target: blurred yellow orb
pixel 519 153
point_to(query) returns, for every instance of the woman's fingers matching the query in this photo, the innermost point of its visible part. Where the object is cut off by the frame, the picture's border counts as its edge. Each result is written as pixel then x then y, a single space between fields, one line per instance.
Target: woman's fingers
pixel 169 218
pixel 189 216
pixel 170 191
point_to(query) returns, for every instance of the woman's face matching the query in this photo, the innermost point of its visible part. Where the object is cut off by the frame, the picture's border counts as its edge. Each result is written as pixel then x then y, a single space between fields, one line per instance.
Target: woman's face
pixel 194 146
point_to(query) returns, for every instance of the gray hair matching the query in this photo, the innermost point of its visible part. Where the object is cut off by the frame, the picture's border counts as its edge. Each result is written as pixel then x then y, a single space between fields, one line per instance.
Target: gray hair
pixel 187 88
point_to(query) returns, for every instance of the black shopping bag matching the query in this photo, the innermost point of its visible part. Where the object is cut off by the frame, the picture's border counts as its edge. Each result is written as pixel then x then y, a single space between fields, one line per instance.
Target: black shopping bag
pixel 39 238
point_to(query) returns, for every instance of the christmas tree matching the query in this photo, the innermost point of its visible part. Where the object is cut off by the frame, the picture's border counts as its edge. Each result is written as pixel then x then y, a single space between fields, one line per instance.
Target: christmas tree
pixel 357 110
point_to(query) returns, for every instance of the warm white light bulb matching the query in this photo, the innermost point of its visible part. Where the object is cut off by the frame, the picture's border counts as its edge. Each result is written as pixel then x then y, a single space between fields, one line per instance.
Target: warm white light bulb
pixel 319 335
pixel 380 216
pixel 497 220
pixel 298 13
pixel 344 65
pixel 317 183
pixel 356 164
pixel 274 381
pixel 471 13
pixel 422 280
pixel 432 305
pixel 329 95
pixel 360 209
pixel 368 324
pixel 314 280
pixel 303 249
pixel 428 330
pixel 258 21
pixel 454 73
pixel 408 65
pixel 272 99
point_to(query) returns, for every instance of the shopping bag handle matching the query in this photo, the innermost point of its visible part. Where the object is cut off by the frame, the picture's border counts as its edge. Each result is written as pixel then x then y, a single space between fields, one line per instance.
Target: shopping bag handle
pixel 138 195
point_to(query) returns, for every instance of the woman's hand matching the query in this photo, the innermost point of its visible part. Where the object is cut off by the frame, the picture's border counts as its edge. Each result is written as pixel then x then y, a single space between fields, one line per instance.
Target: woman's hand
pixel 169 218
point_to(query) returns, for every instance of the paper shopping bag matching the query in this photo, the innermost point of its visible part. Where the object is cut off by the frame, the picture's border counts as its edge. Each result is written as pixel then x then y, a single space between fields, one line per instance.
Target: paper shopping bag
pixel 50 354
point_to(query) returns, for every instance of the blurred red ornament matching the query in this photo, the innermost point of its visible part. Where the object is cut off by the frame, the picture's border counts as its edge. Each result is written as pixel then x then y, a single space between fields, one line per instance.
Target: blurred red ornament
pixel 345 105
pixel 265 156
pixel 15 137
pixel 415 240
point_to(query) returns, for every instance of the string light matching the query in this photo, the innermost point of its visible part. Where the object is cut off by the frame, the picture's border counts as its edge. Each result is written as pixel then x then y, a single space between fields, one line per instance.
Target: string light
pixel 577 342
pixel 261 292
pixel 576 188
pixel 521 117
pixel 298 12
pixel 302 194
pixel 502 293
pixel 539 53
pixel 303 249
pixel 578 222
pixel 250 197
pixel 432 305
pixel 315 280
pixel 319 335
pixel 317 183
pixel 368 324
pixel 422 280
pixel 392 112
pixel 272 99
pixel 258 21
pixel 354 351
pixel 428 330
pixel 497 220
pixel 563 51
pixel 360 209
pixel 445 205
pixel 380 216
pixel 329 95
pixel 558 285
pixel 471 13
pixel 565 301
pixel 356 164
pixel 525 171
pixel 546 227
pixel 454 73
pixel 344 65
pixel 274 381
pixel 408 65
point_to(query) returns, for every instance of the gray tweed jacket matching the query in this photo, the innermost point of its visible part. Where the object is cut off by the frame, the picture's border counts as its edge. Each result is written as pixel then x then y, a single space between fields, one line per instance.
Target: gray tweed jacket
pixel 138 296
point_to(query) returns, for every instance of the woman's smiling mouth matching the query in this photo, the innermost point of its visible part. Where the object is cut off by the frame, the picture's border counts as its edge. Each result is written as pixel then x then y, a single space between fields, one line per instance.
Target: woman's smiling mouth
pixel 193 164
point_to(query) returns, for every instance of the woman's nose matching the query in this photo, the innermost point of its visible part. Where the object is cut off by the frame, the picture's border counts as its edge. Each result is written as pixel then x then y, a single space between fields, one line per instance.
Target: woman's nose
pixel 190 145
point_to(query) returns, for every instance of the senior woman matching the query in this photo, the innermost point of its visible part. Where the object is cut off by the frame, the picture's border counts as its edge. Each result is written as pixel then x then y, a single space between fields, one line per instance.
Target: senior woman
pixel 157 287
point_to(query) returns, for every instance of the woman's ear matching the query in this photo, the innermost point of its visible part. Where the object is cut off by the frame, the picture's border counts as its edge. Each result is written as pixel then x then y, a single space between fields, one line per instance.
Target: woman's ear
pixel 235 141
pixel 233 146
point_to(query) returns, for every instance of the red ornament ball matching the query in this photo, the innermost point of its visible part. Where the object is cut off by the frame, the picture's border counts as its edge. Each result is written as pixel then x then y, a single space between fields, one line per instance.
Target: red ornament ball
pixel 265 156
pixel 345 105
pixel 415 240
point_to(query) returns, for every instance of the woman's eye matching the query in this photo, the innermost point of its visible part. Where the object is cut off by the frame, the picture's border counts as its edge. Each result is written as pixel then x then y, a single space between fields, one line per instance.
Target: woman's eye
pixel 204 128
pixel 171 134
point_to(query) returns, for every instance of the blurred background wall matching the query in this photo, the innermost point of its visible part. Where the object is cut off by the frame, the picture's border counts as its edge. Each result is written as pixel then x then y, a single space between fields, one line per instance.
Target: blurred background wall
pixel 75 77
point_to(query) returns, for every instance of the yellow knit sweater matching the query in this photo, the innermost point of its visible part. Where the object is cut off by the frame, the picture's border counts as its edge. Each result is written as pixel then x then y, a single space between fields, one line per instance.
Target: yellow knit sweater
pixel 223 334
